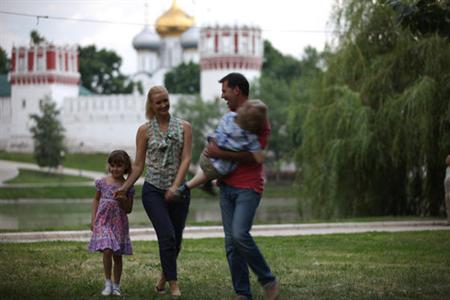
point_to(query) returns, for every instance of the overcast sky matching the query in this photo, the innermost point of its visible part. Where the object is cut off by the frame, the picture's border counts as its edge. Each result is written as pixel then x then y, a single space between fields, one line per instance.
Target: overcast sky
pixel 290 25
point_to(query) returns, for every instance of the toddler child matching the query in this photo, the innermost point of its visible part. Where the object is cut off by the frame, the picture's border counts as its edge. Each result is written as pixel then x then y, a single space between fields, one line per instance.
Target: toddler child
pixel 109 222
pixel 237 131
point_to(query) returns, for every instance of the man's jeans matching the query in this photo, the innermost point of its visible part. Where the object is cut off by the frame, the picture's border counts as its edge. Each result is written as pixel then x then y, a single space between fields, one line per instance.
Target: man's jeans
pixel 238 208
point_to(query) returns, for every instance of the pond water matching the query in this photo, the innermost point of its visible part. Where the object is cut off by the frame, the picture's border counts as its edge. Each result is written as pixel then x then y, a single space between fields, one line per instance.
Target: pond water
pixel 75 214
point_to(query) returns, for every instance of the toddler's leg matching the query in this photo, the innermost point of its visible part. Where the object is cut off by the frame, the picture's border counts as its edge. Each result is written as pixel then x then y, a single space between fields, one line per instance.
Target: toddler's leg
pixel 205 173
pixel 198 179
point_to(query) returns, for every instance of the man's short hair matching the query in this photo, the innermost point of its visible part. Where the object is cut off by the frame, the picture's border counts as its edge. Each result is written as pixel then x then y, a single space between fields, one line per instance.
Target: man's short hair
pixel 237 80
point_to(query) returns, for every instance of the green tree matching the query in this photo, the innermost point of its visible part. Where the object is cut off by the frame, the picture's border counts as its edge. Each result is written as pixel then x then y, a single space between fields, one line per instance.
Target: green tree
pixel 36 38
pixel 203 116
pixel 100 71
pixel 48 135
pixel 278 87
pixel 376 122
pixel 4 62
pixel 424 17
pixel 184 79
pixel 279 66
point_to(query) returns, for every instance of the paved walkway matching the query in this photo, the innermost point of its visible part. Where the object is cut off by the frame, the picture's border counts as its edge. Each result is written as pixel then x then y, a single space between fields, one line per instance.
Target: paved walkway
pixel 198 232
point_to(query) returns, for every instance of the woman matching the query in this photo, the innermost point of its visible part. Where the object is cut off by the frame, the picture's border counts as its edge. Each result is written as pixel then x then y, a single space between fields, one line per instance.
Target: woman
pixel 164 145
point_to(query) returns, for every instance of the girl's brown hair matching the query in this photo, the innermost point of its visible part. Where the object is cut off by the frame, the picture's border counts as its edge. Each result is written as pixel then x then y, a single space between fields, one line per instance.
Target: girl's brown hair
pixel 120 157
pixel 252 116
pixel 157 89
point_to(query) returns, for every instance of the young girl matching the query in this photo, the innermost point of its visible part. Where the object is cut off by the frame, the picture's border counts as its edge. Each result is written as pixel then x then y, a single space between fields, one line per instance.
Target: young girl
pixel 109 222
pixel 237 131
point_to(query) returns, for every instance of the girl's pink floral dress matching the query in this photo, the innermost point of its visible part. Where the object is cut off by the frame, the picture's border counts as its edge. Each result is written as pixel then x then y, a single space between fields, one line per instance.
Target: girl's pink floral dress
pixel 110 230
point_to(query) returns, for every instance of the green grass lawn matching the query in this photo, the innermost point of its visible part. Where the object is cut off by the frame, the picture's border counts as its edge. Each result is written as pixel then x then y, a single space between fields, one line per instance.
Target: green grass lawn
pixel 412 265
pixel 64 192
pixel 32 176
pixel 84 161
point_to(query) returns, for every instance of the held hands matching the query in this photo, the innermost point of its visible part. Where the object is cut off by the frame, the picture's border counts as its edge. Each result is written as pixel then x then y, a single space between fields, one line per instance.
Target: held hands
pixel 120 193
pixel 170 194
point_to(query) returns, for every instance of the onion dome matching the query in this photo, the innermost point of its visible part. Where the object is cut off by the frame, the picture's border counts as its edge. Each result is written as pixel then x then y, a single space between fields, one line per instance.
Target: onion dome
pixel 147 40
pixel 190 38
pixel 174 21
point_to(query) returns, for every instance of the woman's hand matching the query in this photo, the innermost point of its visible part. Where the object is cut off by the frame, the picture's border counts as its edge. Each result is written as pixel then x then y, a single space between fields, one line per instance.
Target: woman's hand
pixel 170 194
pixel 120 193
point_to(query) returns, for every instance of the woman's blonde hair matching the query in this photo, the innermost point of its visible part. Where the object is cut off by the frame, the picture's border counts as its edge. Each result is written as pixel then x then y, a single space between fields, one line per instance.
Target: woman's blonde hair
pixel 157 89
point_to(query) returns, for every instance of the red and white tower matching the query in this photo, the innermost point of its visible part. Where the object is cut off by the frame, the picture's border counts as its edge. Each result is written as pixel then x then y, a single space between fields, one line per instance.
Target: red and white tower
pixel 226 49
pixel 39 72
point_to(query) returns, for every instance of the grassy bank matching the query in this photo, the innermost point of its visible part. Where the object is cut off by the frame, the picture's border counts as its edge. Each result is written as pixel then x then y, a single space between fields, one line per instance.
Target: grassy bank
pixel 84 161
pixel 410 265
pixel 31 176
pixel 71 192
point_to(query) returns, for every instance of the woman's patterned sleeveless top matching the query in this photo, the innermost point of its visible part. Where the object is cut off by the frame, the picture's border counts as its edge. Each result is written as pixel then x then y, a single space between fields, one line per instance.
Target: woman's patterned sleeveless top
pixel 164 152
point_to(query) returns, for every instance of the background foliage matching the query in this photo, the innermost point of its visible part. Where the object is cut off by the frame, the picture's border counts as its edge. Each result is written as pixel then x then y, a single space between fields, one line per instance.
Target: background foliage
pixel 48 135
pixel 100 72
pixel 203 117
pixel 183 79
pixel 375 123
pixel 4 62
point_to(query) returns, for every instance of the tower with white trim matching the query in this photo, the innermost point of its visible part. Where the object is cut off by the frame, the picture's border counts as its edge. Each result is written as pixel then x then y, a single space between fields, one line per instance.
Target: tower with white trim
pixel 38 72
pixel 226 49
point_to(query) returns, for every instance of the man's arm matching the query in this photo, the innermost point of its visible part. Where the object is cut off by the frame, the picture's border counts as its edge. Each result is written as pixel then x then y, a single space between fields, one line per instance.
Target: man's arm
pixel 244 157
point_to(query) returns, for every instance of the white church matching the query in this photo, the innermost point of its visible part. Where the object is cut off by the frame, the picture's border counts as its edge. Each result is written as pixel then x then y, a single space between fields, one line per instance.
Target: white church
pixel 100 123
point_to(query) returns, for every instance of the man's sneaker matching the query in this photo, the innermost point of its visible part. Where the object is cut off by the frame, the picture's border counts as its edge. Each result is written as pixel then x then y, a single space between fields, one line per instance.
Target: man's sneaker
pixel 107 290
pixel 272 290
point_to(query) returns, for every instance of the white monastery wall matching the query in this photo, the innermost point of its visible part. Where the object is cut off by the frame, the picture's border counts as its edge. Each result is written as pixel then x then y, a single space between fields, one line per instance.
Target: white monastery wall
pixel 105 123
pixel 5 121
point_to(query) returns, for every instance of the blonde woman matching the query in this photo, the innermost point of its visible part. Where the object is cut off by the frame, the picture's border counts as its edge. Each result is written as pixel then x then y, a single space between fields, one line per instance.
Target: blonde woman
pixel 163 147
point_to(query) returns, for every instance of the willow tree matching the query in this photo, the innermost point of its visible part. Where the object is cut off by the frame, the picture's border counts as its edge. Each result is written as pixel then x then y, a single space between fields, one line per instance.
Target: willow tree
pixel 376 123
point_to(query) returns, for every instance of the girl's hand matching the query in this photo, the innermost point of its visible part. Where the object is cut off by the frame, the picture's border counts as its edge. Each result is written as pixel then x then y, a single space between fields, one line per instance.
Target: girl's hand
pixel 120 197
pixel 120 192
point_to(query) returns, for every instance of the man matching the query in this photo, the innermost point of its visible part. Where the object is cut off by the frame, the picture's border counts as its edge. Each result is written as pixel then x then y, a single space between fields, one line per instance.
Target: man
pixel 240 194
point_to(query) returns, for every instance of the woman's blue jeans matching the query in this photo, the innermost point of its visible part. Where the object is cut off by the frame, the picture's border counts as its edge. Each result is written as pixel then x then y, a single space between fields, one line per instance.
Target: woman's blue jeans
pixel 168 219
pixel 238 208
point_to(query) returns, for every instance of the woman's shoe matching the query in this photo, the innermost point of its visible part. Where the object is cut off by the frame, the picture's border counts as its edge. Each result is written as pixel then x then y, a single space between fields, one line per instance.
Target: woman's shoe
pixel 160 291
pixel 175 293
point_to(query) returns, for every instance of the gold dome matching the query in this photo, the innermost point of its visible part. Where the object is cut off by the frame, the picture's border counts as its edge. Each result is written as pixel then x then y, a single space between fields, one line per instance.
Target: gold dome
pixel 174 21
